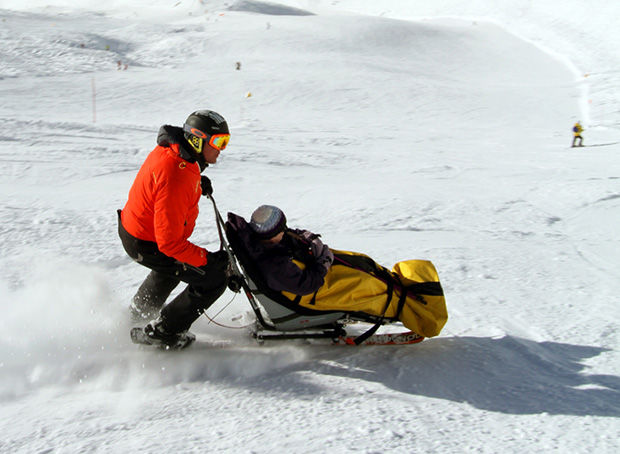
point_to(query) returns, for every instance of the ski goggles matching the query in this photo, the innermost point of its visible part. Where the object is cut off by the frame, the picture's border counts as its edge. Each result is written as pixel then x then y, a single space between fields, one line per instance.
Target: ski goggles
pixel 219 141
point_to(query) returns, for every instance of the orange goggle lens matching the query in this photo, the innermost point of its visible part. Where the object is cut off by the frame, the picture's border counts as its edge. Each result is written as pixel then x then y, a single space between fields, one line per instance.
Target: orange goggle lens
pixel 219 141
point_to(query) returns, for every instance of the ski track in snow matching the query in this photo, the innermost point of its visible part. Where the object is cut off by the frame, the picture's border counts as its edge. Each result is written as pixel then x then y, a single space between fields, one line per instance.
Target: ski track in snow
pixel 438 139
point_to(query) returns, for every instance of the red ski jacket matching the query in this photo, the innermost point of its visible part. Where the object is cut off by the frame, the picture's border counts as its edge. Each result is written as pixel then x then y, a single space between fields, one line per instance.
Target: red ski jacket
pixel 163 204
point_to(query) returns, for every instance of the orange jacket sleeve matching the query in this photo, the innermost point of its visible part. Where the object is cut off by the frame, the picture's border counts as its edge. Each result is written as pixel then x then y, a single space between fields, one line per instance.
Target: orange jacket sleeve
pixel 175 213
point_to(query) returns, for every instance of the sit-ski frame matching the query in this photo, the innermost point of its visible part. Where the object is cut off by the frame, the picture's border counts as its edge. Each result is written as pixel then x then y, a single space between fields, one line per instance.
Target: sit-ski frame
pixel 285 323
pixel 288 324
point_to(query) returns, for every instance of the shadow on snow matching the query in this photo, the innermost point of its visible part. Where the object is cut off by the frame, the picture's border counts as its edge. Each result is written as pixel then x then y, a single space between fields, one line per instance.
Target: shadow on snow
pixel 507 375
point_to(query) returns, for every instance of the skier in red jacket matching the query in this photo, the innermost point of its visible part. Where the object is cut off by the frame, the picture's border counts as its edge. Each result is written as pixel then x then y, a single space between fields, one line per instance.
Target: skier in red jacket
pixel 158 219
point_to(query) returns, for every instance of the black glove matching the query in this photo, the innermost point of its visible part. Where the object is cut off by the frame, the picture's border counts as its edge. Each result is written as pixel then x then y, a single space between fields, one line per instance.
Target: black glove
pixel 218 259
pixel 308 236
pixel 327 257
pixel 316 247
pixel 323 255
pixel 205 184
pixel 235 283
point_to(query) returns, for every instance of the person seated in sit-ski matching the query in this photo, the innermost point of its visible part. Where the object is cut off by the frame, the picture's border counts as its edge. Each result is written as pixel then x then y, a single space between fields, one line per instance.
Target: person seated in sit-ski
pixel 274 248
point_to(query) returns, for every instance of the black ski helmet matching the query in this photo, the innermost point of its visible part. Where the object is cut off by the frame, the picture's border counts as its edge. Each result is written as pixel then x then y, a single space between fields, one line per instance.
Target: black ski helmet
pixel 203 124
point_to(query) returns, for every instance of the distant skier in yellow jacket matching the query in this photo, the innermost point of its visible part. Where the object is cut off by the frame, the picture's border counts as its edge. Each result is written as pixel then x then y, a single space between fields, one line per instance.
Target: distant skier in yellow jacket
pixel 577 129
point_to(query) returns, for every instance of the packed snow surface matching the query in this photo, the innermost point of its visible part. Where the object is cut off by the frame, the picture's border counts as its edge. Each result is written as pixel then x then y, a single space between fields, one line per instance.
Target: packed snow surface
pixel 402 129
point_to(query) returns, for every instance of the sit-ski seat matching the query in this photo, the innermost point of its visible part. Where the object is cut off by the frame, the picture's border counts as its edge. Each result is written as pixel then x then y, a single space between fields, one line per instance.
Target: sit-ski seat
pixel 282 312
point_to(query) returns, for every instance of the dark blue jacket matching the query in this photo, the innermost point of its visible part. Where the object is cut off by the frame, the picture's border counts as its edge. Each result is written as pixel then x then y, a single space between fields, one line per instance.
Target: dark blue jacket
pixel 275 261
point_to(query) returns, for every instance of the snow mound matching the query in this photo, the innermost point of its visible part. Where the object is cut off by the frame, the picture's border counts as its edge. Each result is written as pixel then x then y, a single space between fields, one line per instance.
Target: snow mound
pixel 267 8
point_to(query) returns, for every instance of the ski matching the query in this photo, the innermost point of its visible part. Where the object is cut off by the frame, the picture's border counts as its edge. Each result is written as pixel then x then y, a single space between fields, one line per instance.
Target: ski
pixel 338 337
pixel 403 338
pixel 138 336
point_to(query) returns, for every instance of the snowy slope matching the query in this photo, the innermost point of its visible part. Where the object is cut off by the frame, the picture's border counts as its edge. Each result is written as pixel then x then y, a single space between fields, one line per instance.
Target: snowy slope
pixel 432 130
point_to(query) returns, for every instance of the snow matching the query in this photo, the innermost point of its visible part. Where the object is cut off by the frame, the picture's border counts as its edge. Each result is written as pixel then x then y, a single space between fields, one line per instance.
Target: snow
pixel 431 130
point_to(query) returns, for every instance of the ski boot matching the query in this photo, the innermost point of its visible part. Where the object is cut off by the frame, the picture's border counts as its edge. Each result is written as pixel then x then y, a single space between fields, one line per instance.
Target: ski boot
pixel 155 334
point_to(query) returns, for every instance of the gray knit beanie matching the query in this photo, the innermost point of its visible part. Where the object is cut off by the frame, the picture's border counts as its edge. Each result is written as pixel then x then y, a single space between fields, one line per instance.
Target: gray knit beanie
pixel 267 221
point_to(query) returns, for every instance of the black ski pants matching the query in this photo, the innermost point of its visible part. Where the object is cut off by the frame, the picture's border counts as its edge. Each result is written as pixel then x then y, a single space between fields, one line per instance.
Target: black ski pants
pixel 205 284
